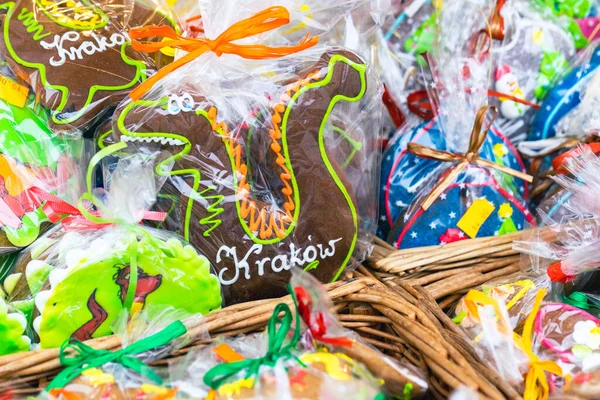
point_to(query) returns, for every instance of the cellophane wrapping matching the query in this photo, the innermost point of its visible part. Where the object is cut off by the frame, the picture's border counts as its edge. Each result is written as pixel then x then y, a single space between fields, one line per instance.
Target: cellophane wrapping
pixel 459 77
pixel 34 161
pixel 337 356
pixel 570 218
pixel 77 56
pixel 115 380
pixel 75 280
pixel 535 50
pixel 274 159
pixel 490 326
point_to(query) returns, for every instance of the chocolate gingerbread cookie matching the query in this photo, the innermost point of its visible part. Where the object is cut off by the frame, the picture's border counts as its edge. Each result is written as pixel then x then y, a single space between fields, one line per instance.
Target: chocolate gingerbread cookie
pixel 76 55
pixel 570 334
pixel 309 219
pixel 95 383
pixel 325 375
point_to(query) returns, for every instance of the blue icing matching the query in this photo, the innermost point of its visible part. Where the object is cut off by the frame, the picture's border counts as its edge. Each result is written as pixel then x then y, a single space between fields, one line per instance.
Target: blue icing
pixel 438 223
pixel 562 99
pixel 412 171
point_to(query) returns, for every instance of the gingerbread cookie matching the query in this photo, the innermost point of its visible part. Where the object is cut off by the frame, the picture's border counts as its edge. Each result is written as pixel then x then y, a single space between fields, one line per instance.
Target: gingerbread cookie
pixel 326 376
pixel 403 173
pixel 75 55
pixel 13 325
pixel 308 219
pixel 96 384
pixel 515 296
pixel 73 285
pixel 569 334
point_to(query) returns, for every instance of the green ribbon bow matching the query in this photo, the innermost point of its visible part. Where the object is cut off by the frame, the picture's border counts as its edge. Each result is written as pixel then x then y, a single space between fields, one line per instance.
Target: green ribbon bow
pixel 219 374
pixel 577 299
pixel 78 357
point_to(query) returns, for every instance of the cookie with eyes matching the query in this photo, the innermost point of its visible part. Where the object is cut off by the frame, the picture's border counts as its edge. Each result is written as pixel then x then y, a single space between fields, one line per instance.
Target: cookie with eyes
pixel 76 55
pixel 308 218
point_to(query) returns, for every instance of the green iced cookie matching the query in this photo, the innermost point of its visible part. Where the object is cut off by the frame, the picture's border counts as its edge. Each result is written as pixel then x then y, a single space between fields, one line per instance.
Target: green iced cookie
pixel 85 302
pixel 29 154
pixel 12 328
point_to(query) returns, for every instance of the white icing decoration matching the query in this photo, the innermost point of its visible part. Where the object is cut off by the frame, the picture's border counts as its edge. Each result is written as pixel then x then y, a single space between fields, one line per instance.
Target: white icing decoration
pixel 87 47
pixel 19 318
pixel 57 276
pixel 41 298
pixel 282 262
pixel 37 322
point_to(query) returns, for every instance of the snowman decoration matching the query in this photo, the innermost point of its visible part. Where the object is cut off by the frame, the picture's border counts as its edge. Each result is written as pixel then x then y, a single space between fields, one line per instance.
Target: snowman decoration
pixel 508 83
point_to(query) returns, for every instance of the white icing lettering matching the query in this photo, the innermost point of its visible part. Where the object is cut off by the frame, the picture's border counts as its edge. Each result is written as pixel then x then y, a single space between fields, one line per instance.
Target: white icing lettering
pixel 226 256
pixel 89 47
pixel 238 264
pixel 282 258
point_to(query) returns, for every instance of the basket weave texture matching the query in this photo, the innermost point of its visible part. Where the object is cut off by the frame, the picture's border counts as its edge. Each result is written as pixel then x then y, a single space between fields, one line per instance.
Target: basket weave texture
pixel 403 321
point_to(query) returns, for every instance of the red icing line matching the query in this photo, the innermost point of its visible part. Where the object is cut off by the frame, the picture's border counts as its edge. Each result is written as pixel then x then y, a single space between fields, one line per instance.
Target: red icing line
pixel 388 211
pixel 539 329
pixel 509 144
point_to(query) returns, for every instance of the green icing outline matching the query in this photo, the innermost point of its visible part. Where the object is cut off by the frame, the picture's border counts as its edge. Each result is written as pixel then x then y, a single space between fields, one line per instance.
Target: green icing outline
pixel 65 94
pixel 160 168
pixel 143 252
pixel 77 27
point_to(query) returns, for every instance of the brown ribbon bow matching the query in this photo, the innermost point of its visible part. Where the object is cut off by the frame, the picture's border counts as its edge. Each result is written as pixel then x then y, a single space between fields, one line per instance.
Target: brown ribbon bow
pixel 478 136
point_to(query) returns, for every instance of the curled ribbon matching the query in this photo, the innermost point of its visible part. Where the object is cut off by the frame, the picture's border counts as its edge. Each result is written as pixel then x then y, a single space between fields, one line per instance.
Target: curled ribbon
pixel 264 21
pixel 81 218
pixel 558 163
pixel 418 102
pixel 77 357
pixel 277 349
pixel 536 383
pixel 478 136
pixel 316 321
pixel 482 41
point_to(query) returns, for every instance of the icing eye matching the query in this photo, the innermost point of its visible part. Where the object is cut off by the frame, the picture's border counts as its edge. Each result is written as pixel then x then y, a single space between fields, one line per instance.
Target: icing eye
pixel 187 102
pixel 174 107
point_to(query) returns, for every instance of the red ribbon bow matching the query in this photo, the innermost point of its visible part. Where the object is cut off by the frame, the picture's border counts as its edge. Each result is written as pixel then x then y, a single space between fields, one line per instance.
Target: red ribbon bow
pixel 316 321
pixel 72 218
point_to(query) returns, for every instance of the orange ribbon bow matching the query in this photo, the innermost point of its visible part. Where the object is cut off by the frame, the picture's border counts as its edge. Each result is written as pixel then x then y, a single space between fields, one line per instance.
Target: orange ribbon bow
pixel 264 21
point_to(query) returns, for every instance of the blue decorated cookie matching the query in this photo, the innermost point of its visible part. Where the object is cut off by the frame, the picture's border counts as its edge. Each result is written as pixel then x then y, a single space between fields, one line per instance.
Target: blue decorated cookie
pixel 564 98
pixel 475 205
pixel 404 174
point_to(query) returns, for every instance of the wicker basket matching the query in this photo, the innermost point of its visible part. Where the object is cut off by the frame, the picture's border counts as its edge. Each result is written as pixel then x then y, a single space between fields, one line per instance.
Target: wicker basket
pixel 404 321
pixel 447 272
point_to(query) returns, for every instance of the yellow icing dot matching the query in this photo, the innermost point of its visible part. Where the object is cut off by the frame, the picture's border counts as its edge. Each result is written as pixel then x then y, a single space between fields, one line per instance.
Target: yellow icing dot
pixel 167 51
pixel 331 362
pixel 538 37
pixel 305 8
pixel 500 150
pixel 505 211
pixel 153 389
pixel 595 330
pixel 235 388
pixel 97 377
